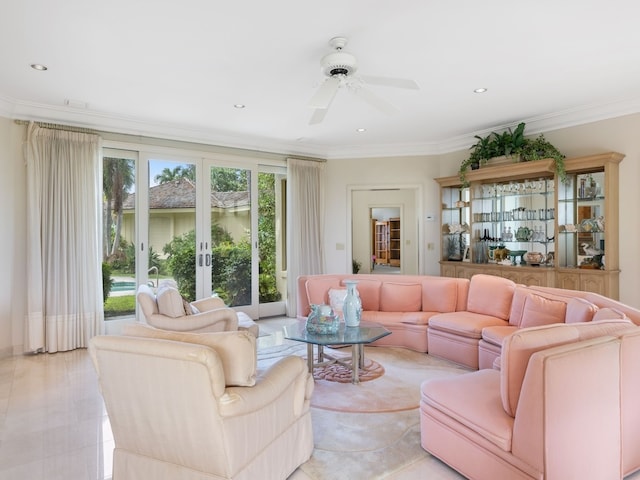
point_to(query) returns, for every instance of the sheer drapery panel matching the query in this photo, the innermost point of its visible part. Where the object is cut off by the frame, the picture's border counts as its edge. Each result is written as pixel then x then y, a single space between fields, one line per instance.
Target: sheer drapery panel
pixel 64 275
pixel 305 201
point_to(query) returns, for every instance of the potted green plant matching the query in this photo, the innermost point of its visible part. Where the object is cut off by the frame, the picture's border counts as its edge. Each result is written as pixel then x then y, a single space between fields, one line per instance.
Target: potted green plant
pixel 538 149
pixel 511 143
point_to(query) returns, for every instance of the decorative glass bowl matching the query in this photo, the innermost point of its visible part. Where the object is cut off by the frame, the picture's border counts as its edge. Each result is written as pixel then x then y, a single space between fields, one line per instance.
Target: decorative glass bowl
pixel 322 320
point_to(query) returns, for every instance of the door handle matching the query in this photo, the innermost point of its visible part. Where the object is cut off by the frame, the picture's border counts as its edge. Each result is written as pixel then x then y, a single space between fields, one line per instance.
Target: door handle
pixel 207 259
pixel 200 260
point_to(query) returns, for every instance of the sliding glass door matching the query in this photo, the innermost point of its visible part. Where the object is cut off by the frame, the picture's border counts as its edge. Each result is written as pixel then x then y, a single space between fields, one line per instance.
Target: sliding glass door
pixel 214 226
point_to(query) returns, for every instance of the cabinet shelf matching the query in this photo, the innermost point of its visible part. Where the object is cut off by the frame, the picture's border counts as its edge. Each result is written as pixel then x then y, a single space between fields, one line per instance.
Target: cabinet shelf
pixel 530 195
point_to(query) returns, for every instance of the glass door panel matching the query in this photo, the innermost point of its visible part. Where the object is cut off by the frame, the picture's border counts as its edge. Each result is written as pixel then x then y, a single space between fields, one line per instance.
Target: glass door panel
pixel 231 235
pixel 172 224
pixel 271 241
pixel 119 232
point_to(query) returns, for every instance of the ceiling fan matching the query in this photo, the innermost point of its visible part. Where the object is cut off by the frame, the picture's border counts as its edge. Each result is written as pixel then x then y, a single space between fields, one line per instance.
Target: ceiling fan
pixel 340 67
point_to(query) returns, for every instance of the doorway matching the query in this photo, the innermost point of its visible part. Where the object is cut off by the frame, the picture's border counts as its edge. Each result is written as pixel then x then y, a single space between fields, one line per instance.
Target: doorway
pixel 386 240
pixel 363 202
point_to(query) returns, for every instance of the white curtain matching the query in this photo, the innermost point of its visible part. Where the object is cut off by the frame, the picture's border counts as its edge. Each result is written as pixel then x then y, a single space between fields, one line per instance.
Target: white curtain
pixel 64 274
pixel 305 218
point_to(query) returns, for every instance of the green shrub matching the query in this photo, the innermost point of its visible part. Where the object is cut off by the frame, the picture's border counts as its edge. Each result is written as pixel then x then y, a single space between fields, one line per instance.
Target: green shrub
pixel 107 281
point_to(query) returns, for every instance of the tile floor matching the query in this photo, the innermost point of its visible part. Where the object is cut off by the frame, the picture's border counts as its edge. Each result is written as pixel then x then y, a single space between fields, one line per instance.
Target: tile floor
pixel 53 424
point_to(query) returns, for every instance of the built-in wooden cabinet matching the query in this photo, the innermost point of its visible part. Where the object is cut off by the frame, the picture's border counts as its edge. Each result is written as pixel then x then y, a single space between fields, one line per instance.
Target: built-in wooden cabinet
pixel 571 225
pixel 381 242
pixel 386 241
pixel 394 242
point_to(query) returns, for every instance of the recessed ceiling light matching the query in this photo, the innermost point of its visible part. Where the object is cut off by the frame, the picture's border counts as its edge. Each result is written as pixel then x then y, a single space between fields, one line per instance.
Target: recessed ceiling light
pixel 39 66
pixel 239 105
pixel 360 130
pixel 480 90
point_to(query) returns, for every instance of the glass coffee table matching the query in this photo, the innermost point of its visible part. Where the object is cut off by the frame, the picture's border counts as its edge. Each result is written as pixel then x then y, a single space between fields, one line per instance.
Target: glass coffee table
pixel 357 337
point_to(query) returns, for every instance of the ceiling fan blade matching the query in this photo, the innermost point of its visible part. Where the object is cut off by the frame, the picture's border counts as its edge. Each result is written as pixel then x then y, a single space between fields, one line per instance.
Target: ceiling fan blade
pixel 318 116
pixel 376 101
pixel 325 93
pixel 390 82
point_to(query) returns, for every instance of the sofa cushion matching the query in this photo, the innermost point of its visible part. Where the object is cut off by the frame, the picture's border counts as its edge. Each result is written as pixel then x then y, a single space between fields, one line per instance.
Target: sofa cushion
pixel 170 302
pixel 369 291
pixel 517 304
pixel 464 324
pixel 496 334
pixel 400 297
pixel 580 310
pixel 490 295
pixel 518 348
pixel 483 414
pixel 608 313
pixel 318 288
pixel 539 310
pixel 236 349
pixel 439 294
pixel 147 300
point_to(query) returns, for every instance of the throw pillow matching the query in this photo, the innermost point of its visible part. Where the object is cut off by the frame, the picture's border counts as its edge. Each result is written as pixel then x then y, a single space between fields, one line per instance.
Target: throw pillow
pixel 189 309
pixel 608 313
pixel 539 311
pixel 170 302
pixel 336 299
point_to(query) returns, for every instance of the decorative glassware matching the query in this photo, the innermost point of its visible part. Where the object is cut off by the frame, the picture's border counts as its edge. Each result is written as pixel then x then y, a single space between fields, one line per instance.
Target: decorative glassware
pixel 352 306
pixel 322 320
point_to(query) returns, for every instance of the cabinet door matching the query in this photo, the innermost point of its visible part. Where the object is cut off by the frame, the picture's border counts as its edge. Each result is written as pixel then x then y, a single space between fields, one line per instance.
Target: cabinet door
pixel 582 221
pixel 455 222
pixel 382 243
pixel 568 280
pixel 518 216
pixel 394 242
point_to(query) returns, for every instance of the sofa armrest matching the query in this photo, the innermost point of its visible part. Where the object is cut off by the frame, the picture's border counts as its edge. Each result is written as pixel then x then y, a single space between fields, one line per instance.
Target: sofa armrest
pixel 209 303
pixel 287 381
pixel 567 423
pixel 219 320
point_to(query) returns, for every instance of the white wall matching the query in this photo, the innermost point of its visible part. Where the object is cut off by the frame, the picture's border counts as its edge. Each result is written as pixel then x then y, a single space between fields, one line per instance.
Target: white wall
pixel 362 232
pixel 13 288
pixel 620 134
pixel 343 176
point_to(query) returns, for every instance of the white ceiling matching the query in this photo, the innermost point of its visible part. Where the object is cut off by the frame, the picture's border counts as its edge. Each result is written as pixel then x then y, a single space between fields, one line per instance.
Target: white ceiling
pixel 175 69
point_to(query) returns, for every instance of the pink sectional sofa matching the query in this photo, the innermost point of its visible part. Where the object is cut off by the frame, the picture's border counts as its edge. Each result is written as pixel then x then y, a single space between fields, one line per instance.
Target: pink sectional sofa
pixel 404 304
pixel 497 307
pixel 458 319
pixel 564 405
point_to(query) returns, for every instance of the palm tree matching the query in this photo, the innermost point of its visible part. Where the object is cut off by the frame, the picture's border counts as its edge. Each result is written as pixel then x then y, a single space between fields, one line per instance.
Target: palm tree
pixel 117 179
pixel 181 171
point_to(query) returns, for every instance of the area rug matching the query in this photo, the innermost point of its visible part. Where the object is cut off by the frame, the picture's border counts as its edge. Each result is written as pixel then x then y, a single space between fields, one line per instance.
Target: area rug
pixel 371 431
pixel 397 389
pixel 337 371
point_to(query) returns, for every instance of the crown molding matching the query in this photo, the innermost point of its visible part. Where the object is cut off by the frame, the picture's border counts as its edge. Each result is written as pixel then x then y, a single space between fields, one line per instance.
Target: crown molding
pixel 119 124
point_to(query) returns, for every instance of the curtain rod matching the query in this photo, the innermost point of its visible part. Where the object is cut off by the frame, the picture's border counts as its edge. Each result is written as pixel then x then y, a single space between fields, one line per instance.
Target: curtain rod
pixel 308 159
pixel 56 126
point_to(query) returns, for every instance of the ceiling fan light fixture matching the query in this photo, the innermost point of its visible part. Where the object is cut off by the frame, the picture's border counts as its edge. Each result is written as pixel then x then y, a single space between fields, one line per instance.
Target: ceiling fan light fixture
pixel 239 106
pixel 480 90
pixel 40 67
pixel 361 130
pixel 338 63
